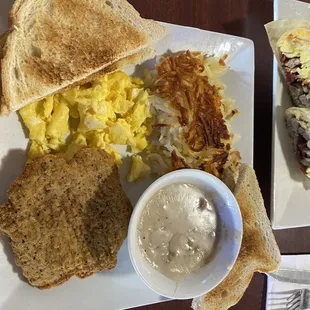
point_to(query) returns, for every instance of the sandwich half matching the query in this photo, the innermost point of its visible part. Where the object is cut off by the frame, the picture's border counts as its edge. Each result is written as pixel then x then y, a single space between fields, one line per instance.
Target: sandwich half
pixel 54 44
pixel 290 41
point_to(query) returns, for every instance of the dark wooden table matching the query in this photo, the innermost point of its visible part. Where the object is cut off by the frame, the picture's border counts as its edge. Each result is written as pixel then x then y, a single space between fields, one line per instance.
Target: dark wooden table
pixel 242 18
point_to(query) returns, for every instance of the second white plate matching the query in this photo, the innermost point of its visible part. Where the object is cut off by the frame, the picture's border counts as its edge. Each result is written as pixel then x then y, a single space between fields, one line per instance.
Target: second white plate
pixel 291 189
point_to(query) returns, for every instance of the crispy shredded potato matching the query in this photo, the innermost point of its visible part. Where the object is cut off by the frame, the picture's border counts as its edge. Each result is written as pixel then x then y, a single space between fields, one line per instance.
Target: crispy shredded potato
pixel 197 102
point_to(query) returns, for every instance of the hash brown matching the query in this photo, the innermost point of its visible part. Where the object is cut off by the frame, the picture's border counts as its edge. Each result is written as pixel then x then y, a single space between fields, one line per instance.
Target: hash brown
pixel 206 141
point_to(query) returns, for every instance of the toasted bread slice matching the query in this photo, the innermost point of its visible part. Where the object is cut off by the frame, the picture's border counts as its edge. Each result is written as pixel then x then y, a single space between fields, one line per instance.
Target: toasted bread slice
pixel 259 250
pixel 134 59
pixel 66 218
pixel 55 43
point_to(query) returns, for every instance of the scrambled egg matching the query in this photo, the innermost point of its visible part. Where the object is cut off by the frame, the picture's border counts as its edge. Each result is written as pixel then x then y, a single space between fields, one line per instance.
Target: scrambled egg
pixel 138 169
pixel 111 110
pixel 296 43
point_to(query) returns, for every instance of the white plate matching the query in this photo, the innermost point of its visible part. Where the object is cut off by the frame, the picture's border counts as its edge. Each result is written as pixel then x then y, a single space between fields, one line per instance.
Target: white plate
pixel 291 189
pixel 120 287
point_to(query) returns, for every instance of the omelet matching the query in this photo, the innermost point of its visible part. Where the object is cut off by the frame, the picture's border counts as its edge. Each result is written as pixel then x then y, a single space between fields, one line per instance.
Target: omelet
pixel 112 110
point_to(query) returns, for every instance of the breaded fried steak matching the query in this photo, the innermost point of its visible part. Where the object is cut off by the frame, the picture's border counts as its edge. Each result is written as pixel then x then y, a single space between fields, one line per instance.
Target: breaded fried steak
pixel 66 218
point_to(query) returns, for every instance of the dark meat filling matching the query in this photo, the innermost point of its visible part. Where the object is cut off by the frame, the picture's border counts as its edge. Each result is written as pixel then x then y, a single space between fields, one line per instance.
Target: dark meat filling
pixel 298 89
pixel 300 137
pixel 303 152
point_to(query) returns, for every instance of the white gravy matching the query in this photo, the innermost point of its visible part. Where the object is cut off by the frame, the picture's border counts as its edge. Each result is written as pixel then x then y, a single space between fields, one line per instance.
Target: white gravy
pixel 177 230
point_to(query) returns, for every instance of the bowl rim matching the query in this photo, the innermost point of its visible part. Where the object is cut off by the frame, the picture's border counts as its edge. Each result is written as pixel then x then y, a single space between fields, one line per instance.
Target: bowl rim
pixel 138 209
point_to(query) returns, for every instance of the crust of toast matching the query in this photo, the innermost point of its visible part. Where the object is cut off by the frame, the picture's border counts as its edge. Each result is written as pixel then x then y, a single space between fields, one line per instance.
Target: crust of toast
pixel 2 43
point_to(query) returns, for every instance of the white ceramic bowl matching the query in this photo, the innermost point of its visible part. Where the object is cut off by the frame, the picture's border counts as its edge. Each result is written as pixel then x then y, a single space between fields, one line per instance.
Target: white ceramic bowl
pixel 227 246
